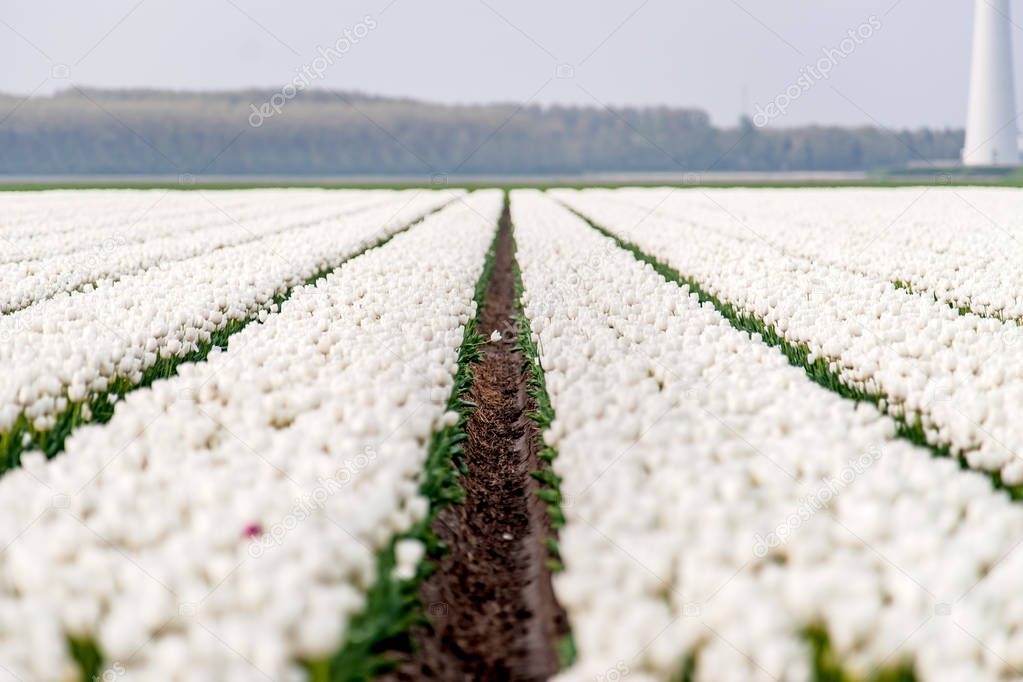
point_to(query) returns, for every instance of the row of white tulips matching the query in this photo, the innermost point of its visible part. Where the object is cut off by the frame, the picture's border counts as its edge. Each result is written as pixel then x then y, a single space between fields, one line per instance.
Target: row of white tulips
pixel 36 215
pixel 958 374
pixel 73 345
pixel 961 244
pixel 225 523
pixel 121 227
pixel 718 502
pixel 112 253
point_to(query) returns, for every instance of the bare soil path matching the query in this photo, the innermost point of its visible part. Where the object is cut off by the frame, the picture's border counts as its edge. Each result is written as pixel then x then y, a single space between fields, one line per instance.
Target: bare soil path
pixel 490 603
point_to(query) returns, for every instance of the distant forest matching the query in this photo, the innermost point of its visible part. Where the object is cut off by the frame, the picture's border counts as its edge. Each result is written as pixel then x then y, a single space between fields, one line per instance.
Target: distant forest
pixel 340 133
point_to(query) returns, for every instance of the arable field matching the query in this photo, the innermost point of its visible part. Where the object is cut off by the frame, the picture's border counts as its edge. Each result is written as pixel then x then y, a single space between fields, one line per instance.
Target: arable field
pixel 615 435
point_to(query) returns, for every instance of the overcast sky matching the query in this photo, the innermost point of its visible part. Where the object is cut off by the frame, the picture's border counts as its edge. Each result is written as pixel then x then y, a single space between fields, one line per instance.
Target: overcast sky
pixel 911 71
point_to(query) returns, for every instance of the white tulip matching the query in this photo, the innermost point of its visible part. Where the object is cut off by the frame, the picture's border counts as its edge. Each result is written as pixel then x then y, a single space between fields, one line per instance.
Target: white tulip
pixel 698 508
pixel 315 463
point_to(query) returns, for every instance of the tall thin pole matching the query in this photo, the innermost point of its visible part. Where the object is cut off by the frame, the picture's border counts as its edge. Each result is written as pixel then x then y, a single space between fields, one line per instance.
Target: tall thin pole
pixel 991 130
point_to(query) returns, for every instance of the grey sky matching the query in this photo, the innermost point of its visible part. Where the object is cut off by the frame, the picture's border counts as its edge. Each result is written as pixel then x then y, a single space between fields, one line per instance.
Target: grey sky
pixel 912 71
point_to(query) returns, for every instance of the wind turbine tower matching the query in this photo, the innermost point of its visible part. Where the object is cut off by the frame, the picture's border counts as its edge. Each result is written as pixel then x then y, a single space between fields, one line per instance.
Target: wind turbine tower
pixel 991 133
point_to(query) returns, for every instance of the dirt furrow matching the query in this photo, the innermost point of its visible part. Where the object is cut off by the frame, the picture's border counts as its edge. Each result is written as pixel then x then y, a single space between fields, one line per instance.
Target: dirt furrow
pixel 490 603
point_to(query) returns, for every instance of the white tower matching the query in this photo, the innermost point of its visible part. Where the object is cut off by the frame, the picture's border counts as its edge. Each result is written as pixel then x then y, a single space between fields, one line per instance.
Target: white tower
pixel 991 120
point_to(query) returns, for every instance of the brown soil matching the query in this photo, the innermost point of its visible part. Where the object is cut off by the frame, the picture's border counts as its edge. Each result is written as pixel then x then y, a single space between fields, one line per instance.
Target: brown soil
pixel 490 603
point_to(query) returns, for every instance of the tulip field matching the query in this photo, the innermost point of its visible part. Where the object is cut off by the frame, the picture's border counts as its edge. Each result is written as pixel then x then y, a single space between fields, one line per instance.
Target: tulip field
pixel 643 434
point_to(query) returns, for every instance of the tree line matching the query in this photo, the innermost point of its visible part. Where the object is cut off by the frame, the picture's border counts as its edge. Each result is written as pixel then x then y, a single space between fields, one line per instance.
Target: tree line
pixel 80 131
